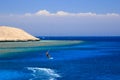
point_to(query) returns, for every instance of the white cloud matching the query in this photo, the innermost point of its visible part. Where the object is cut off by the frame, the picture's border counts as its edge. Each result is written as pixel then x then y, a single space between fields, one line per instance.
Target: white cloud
pixel 43 12
pixel 63 13
pixel 87 14
pixel 112 14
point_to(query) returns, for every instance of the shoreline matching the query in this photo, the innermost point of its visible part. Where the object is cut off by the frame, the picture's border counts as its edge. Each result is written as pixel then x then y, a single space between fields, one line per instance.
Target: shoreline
pixel 38 43
pixel 18 40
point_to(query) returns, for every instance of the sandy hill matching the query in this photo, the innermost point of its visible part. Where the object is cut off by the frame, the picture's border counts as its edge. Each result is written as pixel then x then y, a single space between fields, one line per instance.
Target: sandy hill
pixel 15 34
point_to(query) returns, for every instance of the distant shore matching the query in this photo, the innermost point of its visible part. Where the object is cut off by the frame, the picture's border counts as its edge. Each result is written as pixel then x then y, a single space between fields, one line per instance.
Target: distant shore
pixel 18 40
pixel 11 34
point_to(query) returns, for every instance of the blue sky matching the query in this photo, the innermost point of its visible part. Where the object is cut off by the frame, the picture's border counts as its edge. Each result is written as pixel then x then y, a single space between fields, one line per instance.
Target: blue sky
pixel 97 6
pixel 63 17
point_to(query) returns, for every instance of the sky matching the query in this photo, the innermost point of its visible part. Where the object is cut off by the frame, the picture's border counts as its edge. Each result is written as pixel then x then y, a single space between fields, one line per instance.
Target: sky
pixel 62 17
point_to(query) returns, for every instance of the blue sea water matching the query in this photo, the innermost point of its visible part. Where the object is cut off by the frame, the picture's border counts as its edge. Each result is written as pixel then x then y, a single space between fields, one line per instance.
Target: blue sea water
pixel 98 58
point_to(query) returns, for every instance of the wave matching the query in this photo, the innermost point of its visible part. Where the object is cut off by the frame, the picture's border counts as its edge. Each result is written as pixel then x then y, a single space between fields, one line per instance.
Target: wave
pixel 29 73
pixel 43 73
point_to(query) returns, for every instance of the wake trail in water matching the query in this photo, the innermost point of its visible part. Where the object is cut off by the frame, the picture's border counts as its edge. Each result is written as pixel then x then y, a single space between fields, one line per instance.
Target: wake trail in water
pixel 43 73
pixel 29 73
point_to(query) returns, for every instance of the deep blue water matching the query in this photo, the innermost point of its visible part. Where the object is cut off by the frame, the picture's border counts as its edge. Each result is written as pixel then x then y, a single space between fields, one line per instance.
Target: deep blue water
pixel 85 38
pixel 95 59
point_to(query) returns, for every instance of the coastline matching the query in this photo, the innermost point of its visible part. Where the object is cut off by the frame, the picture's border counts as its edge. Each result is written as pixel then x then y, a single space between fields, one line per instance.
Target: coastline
pixel 40 43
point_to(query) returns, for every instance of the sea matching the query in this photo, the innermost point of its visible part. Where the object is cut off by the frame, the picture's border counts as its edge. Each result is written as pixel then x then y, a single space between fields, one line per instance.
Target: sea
pixel 96 58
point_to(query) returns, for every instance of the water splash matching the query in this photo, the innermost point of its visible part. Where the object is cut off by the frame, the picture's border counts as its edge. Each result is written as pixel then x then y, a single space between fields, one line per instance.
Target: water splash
pixel 43 73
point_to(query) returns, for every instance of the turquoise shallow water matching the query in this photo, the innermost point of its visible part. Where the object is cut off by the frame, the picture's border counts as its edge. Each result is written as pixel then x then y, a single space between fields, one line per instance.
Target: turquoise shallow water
pixel 18 49
pixel 91 60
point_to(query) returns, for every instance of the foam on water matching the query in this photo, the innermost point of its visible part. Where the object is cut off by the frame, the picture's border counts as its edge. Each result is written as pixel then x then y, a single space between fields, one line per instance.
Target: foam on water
pixel 43 73
pixel 29 73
